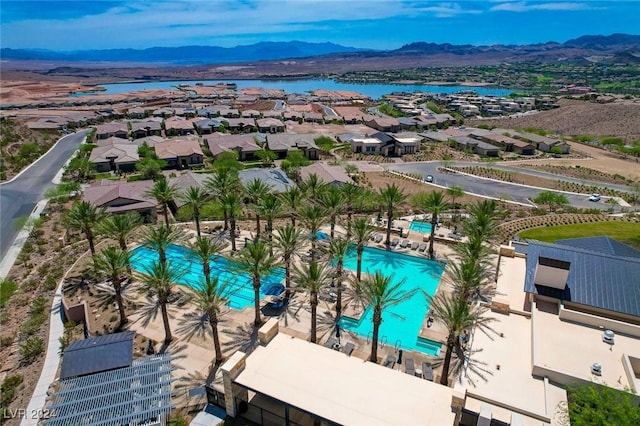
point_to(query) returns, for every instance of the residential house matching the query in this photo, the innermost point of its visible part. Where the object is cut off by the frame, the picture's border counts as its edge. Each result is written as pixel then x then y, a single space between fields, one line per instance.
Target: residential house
pixel 387 145
pixel 251 113
pixel 119 130
pixel 439 137
pixel 242 125
pixel 276 178
pixel 281 144
pixel 226 112
pixel 406 143
pixel 116 157
pixel 371 145
pixel 184 181
pixel 164 112
pixel 208 126
pixel 178 126
pixel 123 197
pixel 151 141
pixel 313 117
pixel 270 125
pixel 332 175
pixel 383 124
pixel 138 113
pixel 245 145
pixel 542 143
pixel 142 129
pixel 476 146
pixel 509 144
pixel 292 115
pixel 180 153
pixel 112 141
pixel 407 123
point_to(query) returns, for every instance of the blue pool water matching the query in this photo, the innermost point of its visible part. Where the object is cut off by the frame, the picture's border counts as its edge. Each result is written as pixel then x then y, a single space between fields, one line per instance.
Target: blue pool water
pixel 190 273
pixel 424 227
pixel 401 323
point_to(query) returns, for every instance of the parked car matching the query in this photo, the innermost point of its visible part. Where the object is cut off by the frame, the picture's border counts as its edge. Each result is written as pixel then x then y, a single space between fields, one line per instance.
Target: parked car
pixel 594 197
pixel 429 179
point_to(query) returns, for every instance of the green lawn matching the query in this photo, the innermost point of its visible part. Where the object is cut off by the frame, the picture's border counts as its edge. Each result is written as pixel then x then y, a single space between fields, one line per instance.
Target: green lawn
pixel 626 232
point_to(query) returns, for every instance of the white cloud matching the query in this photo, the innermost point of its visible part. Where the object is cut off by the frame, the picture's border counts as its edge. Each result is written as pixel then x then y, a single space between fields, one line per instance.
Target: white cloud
pixel 523 6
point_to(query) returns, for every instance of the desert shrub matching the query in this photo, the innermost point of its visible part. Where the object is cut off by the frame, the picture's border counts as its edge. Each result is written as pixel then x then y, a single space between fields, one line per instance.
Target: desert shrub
pixel 38 305
pixel 32 324
pixel 7 288
pixel 6 340
pixel 30 349
pixel 29 285
pixel 50 283
pixel 113 318
pixel 67 337
pixel 8 389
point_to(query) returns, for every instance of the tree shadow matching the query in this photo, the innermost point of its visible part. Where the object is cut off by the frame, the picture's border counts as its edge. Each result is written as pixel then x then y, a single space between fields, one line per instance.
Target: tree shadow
pixel 244 338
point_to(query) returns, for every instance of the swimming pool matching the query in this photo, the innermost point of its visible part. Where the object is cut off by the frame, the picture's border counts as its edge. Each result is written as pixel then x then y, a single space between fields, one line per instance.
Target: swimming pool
pixel 401 323
pixel 190 272
pixel 424 227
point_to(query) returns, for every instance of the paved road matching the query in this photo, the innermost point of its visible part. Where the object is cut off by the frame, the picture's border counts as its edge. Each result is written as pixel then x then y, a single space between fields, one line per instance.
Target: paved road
pixel 489 188
pixel 18 198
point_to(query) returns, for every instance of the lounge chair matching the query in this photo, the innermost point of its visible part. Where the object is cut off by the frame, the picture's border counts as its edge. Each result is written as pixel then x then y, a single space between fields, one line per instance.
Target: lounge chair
pixel 379 238
pixel 422 247
pixel 414 245
pixel 427 371
pixel 348 348
pixel 405 243
pixel 390 361
pixel 409 366
pixel 395 242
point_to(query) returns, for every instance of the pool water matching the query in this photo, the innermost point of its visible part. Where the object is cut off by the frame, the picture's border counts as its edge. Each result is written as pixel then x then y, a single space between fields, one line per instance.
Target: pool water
pixel 190 273
pixel 424 227
pixel 400 323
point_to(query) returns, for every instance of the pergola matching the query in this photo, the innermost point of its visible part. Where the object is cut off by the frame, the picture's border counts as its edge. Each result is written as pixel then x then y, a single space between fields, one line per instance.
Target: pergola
pixel 135 395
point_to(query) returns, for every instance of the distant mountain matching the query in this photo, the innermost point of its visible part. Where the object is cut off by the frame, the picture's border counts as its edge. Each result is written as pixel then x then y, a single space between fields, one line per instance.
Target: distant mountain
pixel 599 42
pixel 185 54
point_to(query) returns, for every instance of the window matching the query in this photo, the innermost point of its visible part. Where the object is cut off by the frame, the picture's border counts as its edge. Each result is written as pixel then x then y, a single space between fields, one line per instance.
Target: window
pixel 554 263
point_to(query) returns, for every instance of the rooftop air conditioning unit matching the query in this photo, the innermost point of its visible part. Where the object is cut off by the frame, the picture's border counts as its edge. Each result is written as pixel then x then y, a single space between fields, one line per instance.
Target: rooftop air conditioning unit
pixel 608 336
pixel 596 369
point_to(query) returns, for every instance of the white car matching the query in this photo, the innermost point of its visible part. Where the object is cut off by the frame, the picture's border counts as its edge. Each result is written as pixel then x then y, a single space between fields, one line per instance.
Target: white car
pixel 594 197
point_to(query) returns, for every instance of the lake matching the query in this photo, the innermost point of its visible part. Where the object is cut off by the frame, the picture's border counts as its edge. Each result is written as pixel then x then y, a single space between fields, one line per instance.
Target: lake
pixel 374 91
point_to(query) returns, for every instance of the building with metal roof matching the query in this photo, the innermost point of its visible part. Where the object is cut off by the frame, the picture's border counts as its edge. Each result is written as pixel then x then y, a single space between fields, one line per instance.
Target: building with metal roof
pixel 134 395
pixel 596 278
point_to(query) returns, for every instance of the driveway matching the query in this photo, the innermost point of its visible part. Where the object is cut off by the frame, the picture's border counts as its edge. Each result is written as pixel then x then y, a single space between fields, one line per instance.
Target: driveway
pixel 491 188
pixel 18 197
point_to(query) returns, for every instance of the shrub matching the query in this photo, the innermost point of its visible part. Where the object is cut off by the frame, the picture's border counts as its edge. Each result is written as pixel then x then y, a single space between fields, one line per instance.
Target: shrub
pixel 50 283
pixel 7 288
pixel 8 389
pixel 31 348
pixel 32 324
pixel 113 318
pixel 38 305
pixel 6 340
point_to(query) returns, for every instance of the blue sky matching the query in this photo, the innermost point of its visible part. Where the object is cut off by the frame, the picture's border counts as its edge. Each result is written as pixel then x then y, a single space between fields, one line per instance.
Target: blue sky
pixel 376 24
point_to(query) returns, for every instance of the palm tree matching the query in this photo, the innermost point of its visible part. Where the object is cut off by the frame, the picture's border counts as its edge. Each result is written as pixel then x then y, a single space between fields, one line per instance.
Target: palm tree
pixel 256 259
pixel 211 299
pixel 313 217
pixel 472 279
pixel 84 216
pixel 380 292
pixel 435 203
pixel 483 221
pixel 454 192
pixel 287 242
pixel 313 186
pixel 338 249
pixel 256 190
pixel 160 238
pixel 120 227
pixel 223 182
pixel 351 194
pixel 362 232
pixel 205 248
pixel 158 278
pixel 271 207
pixel 333 202
pixel 390 197
pixel 313 277
pixel 195 198
pixel 232 204
pixel 164 193
pixel 114 262
pixel 292 198
pixel 457 316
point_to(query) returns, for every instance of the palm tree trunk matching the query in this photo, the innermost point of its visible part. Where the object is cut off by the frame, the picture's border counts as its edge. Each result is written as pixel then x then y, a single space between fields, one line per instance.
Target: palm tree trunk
pixel 314 238
pixel 256 302
pixel 92 247
pixel 287 274
pixel 232 233
pixel 118 288
pixel 314 306
pixel 206 270
pixel 434 221
pixel 293 219
pixel 333 225
pixel 165 211
pixel 389 220
pixel 257 226
pixel 225 217
pixel 196 218
pixel 444 380
pixel 165 321
pixel 213 321
pixel 349 217
pixel 162 255
pixel 377 319
pixel 339 289
pixel 359 264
